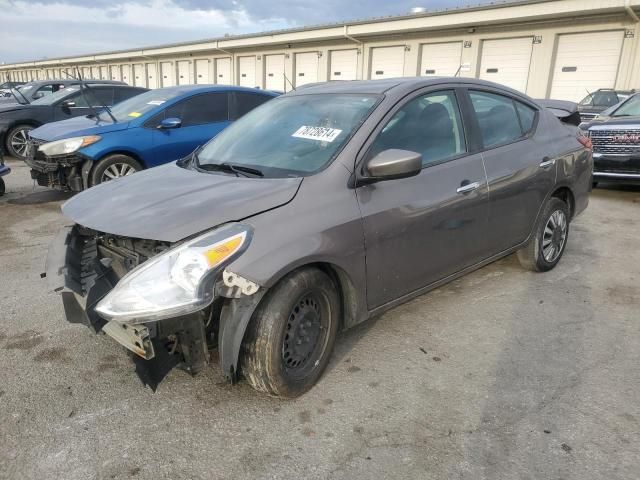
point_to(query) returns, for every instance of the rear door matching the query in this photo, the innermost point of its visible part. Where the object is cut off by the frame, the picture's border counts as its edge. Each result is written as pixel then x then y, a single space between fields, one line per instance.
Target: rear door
pixel 519 171
pixel 422 229
pixel 203 117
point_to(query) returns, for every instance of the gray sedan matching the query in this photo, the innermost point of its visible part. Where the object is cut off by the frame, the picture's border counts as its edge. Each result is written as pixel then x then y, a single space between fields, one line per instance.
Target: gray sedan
pixel 311 214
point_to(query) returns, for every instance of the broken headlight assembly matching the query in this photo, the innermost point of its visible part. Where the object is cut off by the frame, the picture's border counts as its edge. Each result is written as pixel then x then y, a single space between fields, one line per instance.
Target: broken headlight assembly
pixel 68 145
pixel 176 282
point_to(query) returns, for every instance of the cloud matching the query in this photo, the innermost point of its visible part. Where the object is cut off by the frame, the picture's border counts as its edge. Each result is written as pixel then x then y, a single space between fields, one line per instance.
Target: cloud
pixel 32 30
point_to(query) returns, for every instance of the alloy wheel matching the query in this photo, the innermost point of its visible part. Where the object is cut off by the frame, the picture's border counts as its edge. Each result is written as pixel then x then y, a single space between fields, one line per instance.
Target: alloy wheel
pixel 554 236
pixel 117 170
pixel 20 141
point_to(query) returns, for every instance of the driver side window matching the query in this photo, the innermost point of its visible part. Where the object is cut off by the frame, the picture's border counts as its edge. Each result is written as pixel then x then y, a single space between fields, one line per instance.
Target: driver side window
pixel 429 125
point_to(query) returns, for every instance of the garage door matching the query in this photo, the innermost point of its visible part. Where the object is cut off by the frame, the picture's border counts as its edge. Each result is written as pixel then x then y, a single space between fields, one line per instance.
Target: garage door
pixel 183 73
pixel 152 75
pixel 126 74
pixel 387 62
pixel 95 72
pixel 115 72
pixel 223 71
pixel 168 75
pixel 247 70
pixel 104 73
pixel 86 73
pixel 202 71
pixel 306 65
pixel 274 72
pixel 584 63
pixel 139 77
pixel 440 59
pixel 506 61
pixel 343 64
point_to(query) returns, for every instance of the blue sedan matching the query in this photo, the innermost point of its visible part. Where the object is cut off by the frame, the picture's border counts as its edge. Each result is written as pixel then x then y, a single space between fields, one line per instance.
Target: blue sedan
pixel 156 127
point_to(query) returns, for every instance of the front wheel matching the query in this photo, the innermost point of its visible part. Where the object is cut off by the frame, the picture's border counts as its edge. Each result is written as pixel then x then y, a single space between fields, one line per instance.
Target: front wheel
pixel 291 335
pixel 112 167
pixel 544 250
pixel 18 141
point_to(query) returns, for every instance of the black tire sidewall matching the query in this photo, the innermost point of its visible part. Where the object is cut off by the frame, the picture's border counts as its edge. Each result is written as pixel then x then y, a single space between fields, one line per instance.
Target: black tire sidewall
pixel 99 168
pixel 10 135
pixel 552 205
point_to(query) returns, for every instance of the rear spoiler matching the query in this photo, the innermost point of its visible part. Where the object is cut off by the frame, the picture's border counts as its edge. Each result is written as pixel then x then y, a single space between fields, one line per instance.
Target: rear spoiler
pixel 565 111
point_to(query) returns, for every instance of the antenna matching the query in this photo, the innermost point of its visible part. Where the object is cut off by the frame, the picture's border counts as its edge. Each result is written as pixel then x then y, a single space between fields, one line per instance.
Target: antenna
pixel 287 81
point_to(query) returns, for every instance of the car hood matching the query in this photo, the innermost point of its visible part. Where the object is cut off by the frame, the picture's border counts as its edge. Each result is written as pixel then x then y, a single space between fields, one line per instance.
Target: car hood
pixel 76 127
pixel 612 122
pixel 169 203
pixel 11 107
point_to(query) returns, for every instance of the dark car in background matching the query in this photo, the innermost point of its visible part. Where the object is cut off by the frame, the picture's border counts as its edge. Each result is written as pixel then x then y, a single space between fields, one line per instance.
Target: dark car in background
pixel 603 98
pixel 17 120
pixel 31 91
pixel 312 213
pixel 616 143
pixel 147 130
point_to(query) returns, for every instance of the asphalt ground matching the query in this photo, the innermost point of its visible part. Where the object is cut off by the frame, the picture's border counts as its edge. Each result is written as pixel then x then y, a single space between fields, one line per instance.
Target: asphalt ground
pixel 503 374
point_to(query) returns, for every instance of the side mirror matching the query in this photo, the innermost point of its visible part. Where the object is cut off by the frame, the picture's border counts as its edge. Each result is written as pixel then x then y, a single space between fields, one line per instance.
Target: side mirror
pixel 68 103
pixel 392 164
pixel 37 95
pixel 168 123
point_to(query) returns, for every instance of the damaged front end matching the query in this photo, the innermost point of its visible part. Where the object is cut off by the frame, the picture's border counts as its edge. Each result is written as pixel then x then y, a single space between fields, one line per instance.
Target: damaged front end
pixel 167 304
pixel 64 172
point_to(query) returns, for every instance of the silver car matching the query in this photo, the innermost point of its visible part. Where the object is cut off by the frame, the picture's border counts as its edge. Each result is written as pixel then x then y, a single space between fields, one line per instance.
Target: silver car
pixel 314 212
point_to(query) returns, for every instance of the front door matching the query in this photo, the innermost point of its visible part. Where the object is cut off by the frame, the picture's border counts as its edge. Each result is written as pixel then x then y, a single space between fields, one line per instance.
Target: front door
pixel 422 229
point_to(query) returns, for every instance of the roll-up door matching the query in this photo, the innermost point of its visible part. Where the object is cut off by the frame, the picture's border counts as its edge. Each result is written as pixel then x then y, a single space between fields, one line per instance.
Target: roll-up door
pixel 152 75
pixel 585 62
pixel 104 72
pixel 139 77
pixel 306 65
pixel 506 61
pixel 116 74
pixel 202 71
pixel 86 73
pixel 274 72
pixel 223 71
pixel 95 72
pixel 168 74
pixel 126 74
pixel 343 64
pixel 184 78
pixel 387 62
pixel 440 59
pixel 247 70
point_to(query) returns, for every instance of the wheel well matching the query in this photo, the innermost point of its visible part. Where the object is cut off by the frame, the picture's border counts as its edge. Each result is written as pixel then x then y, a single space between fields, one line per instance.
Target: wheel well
pixel 346 291
pixel 124 152
pixel 566 195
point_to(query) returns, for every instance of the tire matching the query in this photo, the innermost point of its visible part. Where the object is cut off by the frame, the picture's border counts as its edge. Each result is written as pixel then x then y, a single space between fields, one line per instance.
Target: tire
pixel 112 167
pixel 546 247
pixel 275 358
pixel 594 184
pixel 17 141
pixel 2 187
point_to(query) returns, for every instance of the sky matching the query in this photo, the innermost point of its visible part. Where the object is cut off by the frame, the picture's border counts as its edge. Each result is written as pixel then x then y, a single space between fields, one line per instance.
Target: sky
pixel 37 29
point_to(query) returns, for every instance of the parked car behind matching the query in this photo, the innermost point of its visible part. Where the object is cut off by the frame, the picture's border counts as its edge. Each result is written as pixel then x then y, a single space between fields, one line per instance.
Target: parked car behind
pixel 5 88
pixel 596 102
pixel 31 91
pixel 616 143
pixel 145 131
pixel 312 213
pixel 16 120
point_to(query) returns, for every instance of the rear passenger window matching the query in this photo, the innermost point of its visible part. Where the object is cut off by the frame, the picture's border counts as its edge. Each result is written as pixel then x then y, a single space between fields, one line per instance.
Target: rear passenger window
pixel 245 102
pixel 200 109
pixel 429 125
pixel 501 119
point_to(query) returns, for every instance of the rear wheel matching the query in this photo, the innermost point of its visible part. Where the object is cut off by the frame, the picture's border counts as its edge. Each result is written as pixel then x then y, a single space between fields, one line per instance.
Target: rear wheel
pixel 291 335
pixel 2 187
pixel 17 141
pixel 544 250
pixel 112 167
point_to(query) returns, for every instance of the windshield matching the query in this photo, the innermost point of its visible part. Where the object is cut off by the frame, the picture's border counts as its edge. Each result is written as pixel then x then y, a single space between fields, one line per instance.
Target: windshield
pixel 290 136
pixel 605 98
pixel 54 97
pixel 630 108
pixel 137 106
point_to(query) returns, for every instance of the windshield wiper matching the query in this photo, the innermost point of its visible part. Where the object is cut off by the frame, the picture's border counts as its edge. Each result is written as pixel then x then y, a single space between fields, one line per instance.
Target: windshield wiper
pixel 229 167
pixel 13 90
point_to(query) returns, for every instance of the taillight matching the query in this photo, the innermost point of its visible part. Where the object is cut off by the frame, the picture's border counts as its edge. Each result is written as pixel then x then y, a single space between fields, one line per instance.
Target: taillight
pixel 585 141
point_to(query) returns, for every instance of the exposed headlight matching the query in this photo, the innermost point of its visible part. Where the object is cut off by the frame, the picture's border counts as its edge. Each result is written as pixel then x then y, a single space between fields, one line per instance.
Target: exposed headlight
pixel 176 282
pixel 67 145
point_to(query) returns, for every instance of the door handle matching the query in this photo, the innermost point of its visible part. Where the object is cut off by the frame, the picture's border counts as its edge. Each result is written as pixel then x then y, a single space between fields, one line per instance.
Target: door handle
pixel 547 162
pixel 469 187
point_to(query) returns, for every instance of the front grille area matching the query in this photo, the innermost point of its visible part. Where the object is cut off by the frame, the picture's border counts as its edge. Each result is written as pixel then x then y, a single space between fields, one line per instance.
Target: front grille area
pixel 585 117
pixel 616 142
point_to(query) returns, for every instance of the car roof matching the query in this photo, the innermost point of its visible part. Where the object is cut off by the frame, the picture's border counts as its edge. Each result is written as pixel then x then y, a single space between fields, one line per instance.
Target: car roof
pixel 187 89
pixel 389 85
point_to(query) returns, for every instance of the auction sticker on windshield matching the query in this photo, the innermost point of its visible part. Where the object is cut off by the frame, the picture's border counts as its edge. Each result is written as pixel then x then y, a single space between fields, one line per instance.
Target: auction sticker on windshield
pixel 323 134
